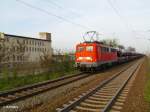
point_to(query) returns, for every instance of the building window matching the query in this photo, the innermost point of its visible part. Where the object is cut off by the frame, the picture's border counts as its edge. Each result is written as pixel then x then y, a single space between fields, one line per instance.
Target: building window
pixel 32 49
pixel 7 39
pixel 13 58
pixel 13 49
pixel 18 58
pixel 23 41
pixel 17 41
pixel 22 58
pixel 8 58
pixel 27 49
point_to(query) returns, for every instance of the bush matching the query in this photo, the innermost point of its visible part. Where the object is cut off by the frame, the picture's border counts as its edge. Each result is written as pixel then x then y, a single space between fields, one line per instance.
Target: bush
pixel 15 74
pixel 5 73
pixel 56 68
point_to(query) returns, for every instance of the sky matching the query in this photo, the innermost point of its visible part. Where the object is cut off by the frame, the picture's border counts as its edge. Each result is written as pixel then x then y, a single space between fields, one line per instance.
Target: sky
pixel 68 20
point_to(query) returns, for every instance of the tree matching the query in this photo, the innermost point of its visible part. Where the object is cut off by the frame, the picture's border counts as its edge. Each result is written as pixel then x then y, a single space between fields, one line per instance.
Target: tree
pixel 121 47
pixel 111 42
pixel 45 59
pixel 60 62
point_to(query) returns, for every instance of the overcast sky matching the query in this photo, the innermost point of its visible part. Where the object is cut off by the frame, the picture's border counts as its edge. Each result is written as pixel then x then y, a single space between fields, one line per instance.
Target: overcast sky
pixel 68 20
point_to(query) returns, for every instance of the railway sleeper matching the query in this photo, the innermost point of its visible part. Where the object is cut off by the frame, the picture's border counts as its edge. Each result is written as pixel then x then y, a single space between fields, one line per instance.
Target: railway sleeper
pixel 96 102
pixel 92 105
pixel 87 109
pixel 104 94
pixel 115 107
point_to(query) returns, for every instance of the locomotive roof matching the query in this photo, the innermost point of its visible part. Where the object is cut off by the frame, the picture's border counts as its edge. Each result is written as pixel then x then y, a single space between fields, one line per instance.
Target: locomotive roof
pixel 99 42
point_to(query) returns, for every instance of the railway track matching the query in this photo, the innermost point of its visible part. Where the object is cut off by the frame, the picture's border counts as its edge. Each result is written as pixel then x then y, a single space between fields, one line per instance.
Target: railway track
pixel 108 96
pixel 22 93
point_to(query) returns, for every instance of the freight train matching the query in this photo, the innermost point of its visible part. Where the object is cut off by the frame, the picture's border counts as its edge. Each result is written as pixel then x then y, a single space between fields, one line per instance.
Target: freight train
pixel 90 56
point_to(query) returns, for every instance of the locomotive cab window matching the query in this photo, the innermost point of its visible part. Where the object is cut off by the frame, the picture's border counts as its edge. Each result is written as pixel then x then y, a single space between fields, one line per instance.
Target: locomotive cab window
pixel 80 49
pixel 89 48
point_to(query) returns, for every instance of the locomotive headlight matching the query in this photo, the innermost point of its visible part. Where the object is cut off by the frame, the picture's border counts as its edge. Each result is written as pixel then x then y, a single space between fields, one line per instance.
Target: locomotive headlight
pixel 84 58
pixel 88 58
pixel 79 58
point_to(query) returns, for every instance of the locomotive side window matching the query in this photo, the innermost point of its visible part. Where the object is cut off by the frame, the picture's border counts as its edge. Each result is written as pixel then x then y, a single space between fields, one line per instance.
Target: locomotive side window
pixel 89 48
pixel 104 49
pixel 80 49
pixel 107 49
pixel 113 50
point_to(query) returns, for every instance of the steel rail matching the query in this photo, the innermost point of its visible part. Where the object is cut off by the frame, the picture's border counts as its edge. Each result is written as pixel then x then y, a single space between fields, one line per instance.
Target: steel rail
pixel 112 101
pixel 38 88
pixel 85 95
pixel 38 85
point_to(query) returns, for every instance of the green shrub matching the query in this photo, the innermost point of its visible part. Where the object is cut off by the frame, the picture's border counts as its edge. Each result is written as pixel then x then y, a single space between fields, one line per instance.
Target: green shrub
pixel 15 74
pixel 5 73
pixel 16 81
pixel 56 69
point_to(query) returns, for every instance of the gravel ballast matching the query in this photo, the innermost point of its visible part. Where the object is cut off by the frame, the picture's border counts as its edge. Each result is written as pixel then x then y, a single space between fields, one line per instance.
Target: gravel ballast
pixel 76 89
pixel 50 100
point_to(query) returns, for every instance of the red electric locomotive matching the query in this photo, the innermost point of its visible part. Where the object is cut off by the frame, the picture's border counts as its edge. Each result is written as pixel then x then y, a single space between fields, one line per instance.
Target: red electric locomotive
pixel 91 55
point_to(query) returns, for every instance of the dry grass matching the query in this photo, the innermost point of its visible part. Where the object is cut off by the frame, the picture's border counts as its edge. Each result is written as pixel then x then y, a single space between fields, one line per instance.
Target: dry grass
pixel 147 89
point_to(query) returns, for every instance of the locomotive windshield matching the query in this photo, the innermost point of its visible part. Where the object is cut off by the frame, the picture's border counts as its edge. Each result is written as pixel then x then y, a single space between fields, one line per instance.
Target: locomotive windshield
pixel 89 48
pixel 80 49
pixel 86 48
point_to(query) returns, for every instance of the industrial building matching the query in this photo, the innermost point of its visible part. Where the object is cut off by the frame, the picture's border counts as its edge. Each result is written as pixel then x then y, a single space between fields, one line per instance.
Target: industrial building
pixel 32 48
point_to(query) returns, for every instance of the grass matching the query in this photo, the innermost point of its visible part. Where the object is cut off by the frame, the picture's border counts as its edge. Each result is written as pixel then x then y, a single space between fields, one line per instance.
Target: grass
pixel 7 83
pixel 56 70
pixel 147 88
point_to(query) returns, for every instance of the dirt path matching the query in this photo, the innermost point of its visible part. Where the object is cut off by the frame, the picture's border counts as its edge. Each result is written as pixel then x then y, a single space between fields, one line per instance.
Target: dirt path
pixel 135 101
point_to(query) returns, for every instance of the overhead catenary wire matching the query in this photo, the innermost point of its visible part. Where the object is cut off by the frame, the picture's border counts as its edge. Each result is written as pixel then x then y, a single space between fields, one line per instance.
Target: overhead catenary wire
pixel 124 21
pixel 120 16
pixel 62 7
pixel 52 14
